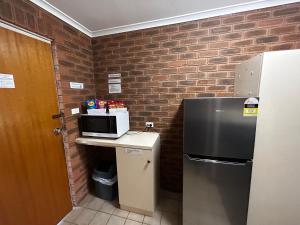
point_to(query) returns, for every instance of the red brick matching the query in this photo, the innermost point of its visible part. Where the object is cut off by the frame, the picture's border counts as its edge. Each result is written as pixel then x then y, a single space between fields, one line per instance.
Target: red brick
pixel 190 55
pixel 199 33
pixel 160 38
pixel 165 58
pixel 283 30
pixel 256 48
pixel 287 11
pixel 188 26
pixel 187 83
pixel 231 36
pixel 244 26
pixel 217 75
pixel 196 62
pixel 211 23
pixel 230 51
pixel 170 44
pixel 218 45
pixel 291 37
pixel 242 43
pixel 270 22
pixel 216 88
pixel 209 38
pixel 293 19
pixel 190 41
pixel 197 47
pixel 151 32
pixel 188 69
pixel 267 39
pixel 286 46
pixel 218 60
pixel 179 36
pixel 255 33
pixel 258 16
pixel 169 84
pixel 206 82
pixel 221 30
pixel 170 29
pixel 195 89
pixel 233 19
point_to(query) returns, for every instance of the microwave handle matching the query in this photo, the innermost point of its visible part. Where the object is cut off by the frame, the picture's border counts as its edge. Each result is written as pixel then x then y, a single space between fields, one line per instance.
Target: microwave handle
pixel 110 123
pixel 80 123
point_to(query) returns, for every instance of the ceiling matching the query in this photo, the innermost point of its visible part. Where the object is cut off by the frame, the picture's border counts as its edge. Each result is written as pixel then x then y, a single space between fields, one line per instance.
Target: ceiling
pixel 101 17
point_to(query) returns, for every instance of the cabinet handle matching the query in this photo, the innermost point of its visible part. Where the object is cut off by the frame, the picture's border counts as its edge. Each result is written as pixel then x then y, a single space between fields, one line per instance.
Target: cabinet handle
pixel 147 164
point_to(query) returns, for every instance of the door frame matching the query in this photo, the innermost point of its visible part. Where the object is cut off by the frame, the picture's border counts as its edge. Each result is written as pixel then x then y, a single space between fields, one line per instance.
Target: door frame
pixel 20 30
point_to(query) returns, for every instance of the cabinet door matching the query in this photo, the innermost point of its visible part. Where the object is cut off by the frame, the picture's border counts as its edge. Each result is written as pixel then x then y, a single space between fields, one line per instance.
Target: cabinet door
pixel 135 179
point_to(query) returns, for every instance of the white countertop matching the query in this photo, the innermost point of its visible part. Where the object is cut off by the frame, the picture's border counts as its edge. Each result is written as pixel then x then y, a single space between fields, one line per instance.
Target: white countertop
pixel 132 139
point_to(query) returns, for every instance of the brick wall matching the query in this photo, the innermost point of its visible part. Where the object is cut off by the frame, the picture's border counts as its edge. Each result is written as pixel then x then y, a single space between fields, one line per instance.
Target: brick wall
pixel 72 53
pixel 161 66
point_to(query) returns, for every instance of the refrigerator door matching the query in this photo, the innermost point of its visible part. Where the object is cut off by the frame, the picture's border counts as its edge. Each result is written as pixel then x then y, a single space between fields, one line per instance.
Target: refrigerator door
pixel 216 127
pixel 215 192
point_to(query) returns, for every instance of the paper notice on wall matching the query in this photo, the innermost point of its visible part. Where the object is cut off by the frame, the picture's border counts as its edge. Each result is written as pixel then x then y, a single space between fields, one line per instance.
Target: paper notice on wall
pixel 114 83
pixel 114 88
pixel 114 75
pixel 7 81
pixel 76 85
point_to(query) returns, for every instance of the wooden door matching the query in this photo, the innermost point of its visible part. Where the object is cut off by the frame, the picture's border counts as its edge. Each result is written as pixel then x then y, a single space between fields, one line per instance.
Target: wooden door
pixel 34 186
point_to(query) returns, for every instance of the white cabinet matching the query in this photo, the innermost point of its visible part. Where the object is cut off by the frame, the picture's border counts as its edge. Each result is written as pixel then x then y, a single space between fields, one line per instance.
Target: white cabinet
pixel 138 178
pixel 138 168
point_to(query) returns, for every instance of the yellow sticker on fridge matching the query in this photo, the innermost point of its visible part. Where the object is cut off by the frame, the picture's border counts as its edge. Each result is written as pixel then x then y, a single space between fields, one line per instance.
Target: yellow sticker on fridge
pixel 250 107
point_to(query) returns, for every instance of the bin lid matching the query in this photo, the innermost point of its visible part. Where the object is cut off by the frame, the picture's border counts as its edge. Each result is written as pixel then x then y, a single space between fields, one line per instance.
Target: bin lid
pixel 105 170
pixel 105 181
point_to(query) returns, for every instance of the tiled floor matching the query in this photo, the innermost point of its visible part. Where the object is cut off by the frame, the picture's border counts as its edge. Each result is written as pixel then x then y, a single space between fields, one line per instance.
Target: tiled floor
pixel 95 211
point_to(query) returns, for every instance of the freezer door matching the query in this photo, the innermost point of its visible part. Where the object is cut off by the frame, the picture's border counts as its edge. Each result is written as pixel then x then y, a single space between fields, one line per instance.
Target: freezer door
pixel 215 192
pixel 216 127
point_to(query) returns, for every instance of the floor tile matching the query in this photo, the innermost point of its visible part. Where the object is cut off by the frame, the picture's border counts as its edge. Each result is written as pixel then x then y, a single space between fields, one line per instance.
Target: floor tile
pixel 100 219
pixel 85 217
pixel 95 203
pixel 131 222
pixel 115 220
pixel 169 218
pixel 120 213
pixel 71 216
pixel 136 217
pixel 107 207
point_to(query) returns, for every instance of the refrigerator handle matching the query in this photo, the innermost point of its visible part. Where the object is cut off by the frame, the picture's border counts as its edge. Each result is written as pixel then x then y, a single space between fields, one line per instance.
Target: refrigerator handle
pixel 216 161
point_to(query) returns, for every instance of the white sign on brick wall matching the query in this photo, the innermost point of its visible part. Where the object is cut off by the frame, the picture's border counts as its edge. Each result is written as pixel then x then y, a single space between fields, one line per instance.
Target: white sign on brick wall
pixel 114 83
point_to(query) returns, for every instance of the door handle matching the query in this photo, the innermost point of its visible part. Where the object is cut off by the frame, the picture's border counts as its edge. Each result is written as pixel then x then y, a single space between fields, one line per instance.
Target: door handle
pixel 58 130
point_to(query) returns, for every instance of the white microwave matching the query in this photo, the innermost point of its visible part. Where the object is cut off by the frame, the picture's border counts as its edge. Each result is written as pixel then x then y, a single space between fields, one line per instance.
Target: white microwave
pixel 101 124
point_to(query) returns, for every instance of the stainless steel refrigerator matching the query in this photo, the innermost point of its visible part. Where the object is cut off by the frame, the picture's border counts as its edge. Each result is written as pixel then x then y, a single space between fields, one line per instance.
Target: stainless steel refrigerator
pixel 217 161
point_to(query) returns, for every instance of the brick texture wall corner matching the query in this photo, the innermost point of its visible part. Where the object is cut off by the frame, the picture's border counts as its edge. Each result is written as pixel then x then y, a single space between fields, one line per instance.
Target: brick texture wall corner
pixel 72 55
pixel 161 66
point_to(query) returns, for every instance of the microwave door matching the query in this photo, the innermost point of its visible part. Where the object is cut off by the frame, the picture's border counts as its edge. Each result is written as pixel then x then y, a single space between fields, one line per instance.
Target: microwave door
pixel 98 126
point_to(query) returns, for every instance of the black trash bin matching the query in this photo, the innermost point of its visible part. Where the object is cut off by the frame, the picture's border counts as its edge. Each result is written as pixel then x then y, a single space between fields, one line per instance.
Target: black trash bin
pixel 105 180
